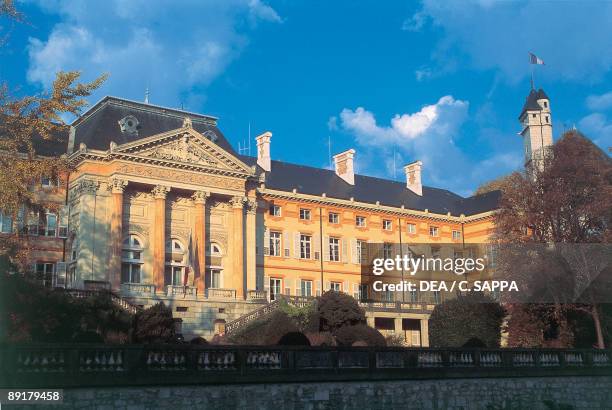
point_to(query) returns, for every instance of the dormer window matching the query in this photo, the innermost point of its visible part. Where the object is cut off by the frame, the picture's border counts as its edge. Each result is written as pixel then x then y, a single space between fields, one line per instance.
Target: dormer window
pixel 129 125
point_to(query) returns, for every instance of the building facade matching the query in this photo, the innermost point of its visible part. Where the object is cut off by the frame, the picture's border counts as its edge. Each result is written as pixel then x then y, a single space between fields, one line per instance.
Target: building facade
pixel 159 207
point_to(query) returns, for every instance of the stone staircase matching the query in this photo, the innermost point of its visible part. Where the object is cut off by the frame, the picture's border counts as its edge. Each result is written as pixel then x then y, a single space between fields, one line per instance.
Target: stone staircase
pixel 116 299
pixel 264 311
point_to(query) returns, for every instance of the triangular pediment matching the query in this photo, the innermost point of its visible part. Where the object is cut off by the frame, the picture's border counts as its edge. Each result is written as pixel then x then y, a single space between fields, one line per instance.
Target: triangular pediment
pixel 183 147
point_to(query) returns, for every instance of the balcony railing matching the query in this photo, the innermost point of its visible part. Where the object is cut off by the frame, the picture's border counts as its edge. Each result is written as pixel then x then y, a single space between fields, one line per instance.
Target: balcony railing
pixel 172 290
pixel 219 293
pixel 142 288
pixel 257 295
pixel 78 365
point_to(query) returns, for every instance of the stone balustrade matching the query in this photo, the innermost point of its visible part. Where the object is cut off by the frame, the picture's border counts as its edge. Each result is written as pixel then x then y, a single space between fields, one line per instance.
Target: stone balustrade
pixel 219 293
pixel 78 365
pixel 172 290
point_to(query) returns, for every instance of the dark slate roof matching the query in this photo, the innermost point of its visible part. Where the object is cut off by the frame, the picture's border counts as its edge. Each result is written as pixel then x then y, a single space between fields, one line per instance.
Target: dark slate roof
pixel 54 147
pixel 316 181
pixel 100 124
pixel 531 102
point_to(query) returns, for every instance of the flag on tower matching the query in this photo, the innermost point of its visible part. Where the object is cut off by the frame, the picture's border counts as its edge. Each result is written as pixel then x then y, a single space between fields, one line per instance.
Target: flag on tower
pixel 533 59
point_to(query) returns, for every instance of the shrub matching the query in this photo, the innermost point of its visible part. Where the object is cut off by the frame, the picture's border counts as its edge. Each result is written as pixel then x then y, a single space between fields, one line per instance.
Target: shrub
pixel 87 336
pixel 456 321
pixel 395 340
pixel 293 339
pixel 337 310
pixel 155 325
pixel 198 341
pixel 321 339
pixel 348 335
pixel 306 318
pixel 267 331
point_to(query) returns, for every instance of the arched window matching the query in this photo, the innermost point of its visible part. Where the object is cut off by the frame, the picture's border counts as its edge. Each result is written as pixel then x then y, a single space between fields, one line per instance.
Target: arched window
pixel 215 249
pixel 176 263
pixel 131 260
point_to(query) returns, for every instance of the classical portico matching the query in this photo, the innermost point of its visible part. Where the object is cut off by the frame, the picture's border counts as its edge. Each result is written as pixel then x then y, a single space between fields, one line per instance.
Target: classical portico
pixel 170 217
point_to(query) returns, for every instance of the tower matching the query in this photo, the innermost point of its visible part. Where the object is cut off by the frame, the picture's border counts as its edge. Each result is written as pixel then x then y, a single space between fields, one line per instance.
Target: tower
pixel 536 120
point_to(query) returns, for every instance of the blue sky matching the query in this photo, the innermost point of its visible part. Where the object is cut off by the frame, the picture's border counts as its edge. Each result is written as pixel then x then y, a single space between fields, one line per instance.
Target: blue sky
pixel 439 81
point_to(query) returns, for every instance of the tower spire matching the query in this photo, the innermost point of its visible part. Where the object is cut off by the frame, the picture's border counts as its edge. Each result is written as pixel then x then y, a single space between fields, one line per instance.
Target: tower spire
pixel 146 100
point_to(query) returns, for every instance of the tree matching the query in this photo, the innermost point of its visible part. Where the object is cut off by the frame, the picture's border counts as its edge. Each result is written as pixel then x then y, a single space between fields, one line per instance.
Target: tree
pixel 495 185
pixel 25 124
pixel 350 335
pixel 567 201
pixel 337 309
pixel 454 322
pixel 155 325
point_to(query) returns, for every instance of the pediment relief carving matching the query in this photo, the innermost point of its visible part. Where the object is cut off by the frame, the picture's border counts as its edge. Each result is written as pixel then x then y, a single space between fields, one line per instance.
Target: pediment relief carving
pixel 185 148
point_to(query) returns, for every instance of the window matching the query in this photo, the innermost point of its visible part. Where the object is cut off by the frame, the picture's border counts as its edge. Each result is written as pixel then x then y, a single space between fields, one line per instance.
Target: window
pixel 275 210
pixel 545 104
pixel 49 226
pixel 362 292
pixel 436 296
pixel 533 115
pixel 305 246
pixel 175 263
pixel 360 221
pixel 305 214
pixel 362 251
pixel 275 243
pixel 6 223
pixel 411 228
pixel 387 250
pixel 275 288
pixel 44 273
pixel 433 231
pixel 435 251
pixel 334 249
pixel 387 225
pixel 215 250
pixel 131 260
pixel 335 286
pixel 47 182
pixel 215 278
pixel 491 256
pixel 547 119
pixel 334 218
pixel 306 288
pixel 413 296
pixel 456 235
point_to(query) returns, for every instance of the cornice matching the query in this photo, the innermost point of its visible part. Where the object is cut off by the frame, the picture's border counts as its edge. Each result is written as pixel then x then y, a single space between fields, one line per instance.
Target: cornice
pixel 352 204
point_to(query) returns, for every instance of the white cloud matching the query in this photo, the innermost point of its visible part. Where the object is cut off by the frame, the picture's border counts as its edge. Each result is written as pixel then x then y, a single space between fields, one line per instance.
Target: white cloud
pixel 426 135
pixel 598 127
pixel 169 47
pixel 498 34
pixel 599 102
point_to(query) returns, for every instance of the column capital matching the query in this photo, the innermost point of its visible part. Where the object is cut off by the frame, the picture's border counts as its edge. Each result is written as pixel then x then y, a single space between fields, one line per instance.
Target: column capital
pixel 117 185
pixel 199 197
pixel 160 191
pixel 251 205
pixel 87 186
pixel 238 202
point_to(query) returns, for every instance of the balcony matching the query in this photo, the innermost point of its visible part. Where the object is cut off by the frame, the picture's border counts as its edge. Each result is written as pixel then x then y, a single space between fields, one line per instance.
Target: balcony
pixel 172 290
pixel 219 293
pixel 257 295
pixel 137 288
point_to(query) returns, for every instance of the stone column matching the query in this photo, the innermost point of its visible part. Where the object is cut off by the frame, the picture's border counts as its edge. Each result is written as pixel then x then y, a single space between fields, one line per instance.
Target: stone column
pixel 425 332
pixel 251 263
pixel 116 186
pixel 238 245
pixel 397 324
pixel 159 236
pixel 199 239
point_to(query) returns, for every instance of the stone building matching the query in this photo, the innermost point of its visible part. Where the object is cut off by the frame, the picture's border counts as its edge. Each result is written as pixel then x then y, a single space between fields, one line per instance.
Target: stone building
pixel 160 207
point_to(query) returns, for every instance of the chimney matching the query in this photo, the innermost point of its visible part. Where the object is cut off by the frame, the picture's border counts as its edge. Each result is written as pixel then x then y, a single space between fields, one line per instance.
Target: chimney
pixel 344 166
pixel 413 177
pixel 263 151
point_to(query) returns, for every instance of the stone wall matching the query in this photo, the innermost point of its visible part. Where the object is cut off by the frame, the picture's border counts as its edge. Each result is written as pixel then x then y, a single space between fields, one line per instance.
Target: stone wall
pixel 554 393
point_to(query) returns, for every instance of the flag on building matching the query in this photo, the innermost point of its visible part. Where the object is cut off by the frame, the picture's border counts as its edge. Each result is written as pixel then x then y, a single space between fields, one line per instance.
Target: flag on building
pixel 190 263
pixel 533 59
